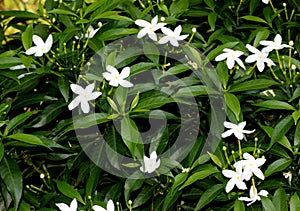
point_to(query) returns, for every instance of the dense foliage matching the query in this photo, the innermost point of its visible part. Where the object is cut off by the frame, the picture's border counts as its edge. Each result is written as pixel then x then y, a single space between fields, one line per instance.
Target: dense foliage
pixel 190 110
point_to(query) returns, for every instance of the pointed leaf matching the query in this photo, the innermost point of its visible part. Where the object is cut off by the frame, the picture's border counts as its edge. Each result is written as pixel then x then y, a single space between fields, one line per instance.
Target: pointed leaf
pixel 68 190
pixel 209 195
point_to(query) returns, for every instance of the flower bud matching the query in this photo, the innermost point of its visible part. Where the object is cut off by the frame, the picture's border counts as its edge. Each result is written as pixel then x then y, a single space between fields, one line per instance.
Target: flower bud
pixel 162 19
pixel 291 43
pixel 194 30
pixel 42 176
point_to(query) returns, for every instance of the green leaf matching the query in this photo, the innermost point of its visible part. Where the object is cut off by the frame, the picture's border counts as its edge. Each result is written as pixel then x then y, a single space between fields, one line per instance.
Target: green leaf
pixel 254 84
pixel 203 173
pixel 209 195
pixel 294 202
pixel 111 59
pixel 63 86
pixel 89 120
pixel 267 204
pixel 212 17
pixel 178 7
pixel 7 62
pixel 275 104
pixel 16 121
pixel 135 101
pixel 280 199
pixel 151 51
pixel 297 135
pixel 113 34
pixel 239 205
pixel 63 12
pixel 27 36
pixel 141 67
pixel 254 18
pixel 92 181
pixel 296 116
pixel 112 104
pixel 114 15
pixel 49 114
pixel 281 129
pixel 233 104
pixel 1 151
pixel 27 138
pixel 19 14
pixel 143 196
pixel 215 159
pixel 153 102
pixel 130 186
pixel 12 178
pixel 261 35
pixel 191 91
pixel 277 166
pixel 68 190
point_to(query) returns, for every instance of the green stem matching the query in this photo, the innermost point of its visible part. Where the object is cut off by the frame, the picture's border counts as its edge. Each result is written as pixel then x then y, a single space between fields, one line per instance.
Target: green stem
pixel 240 149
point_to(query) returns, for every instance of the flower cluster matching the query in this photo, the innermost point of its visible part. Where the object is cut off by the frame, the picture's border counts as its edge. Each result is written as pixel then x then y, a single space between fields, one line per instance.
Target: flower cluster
pixel 149 28
pixel 260 57
pixel 73 206
pixel 245 168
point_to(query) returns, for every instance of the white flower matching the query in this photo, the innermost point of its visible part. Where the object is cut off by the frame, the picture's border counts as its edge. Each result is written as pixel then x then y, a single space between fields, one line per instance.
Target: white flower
pixel 232 56
pixel 84 96
pixel 115 78
pixel 236 179
pixel 90 33
pixel 269 91
pixel 110 207
pixel 250 165
pixel 288 175
pixel 237 130
pixel 150 164
pixel 64 207
pixel 265 1
pixel 259 56
pixel 18 67
pixel 254 196
pixel 149 28
pixel 41 46
pixel 172 36
pixel 276 44
pixel 185 170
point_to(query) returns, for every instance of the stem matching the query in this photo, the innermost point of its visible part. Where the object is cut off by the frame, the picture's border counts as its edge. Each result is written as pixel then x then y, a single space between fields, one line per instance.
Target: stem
pixel 250 70
pixel 240 149
pixel 275 11
pixel 279 61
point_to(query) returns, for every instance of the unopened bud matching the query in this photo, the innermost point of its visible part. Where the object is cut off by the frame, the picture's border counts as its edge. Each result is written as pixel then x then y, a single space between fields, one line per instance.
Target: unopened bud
pixel 291 42
pixel 162 19
pixel 194 30
pixel 42 176
pixel 294 67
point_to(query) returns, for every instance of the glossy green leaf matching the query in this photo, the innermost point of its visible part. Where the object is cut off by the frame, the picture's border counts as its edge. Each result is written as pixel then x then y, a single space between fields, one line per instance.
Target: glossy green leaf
pixel 277 166
pixel 12 177
pixel 254 84
pixel 209 195
pixel 280 199
pixel 296 116
pixel 63 86
pixel 212 17
pixel 63 12
pixel 267 204
pixel 239 205
pixel 7 62
pixel 275 104
pixel 215 159
pixel 92 181
pixel 19 14
pixel 130 186
pixel 27 36
pixel 281 129
pixel 27 138
pixel 112 104
pixel 233 104
pixel 135 101
pixel 68 190
pixel 151 51
pixel 254 18
pixel 16 121
pixel 199 175
pixel 1 151
pixel 294 202
pixel 143 196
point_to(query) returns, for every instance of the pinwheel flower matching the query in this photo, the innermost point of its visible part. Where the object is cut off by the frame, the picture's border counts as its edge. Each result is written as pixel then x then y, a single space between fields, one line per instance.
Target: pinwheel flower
pixel 236 179
pixel 150 164
pixel 231 57
pixel 110 207
pixel 260 57
pixel 115 78
pixel 237 130
pixel 273 45
pixel 251 166
pixel 172 36
pixel 254 196
pixel 41 46
pixel 84 96
pixel 149 28
pixel 65 207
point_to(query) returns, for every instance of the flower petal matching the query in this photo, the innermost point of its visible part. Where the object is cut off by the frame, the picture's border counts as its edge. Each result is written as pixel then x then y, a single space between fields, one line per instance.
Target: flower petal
pixel 263 193
pixel 110 205
pixel 229 186
pixel 153 155
pixel 77 89
pixel 37 41
pixel 227 133
pixel 167 31
pixel 74 103
pixel 278 39
pixel 94 95
pixel 241 185
pixel 85 107
pixel 125 72
pixel 229 125
pixel 98 208
pixel 252 49
pixel 63 206
pixel 164 40
pixel 31 50
pixel 238 135
pixel 73 205
pixel 174 42
pixel 154 21
pixel 228 173
pixel 142 32
pixel 107 76
pixel 221 57
pixel 90 88
pixel 252 58
pixel 239 61
pixel 142 23
pixel 177 30
pixel 152 36
pixel 260 66
pixel 126 84
pixel 230 63
pixel 48 43
pixel 257 172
